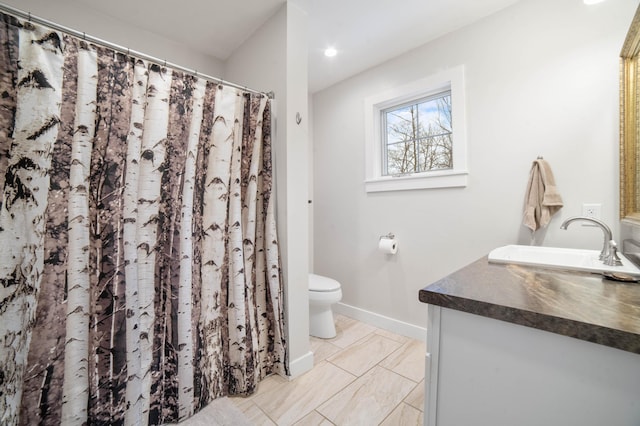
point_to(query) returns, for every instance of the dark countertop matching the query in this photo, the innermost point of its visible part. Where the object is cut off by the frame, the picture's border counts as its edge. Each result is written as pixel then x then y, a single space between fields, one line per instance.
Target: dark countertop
pixel 574 304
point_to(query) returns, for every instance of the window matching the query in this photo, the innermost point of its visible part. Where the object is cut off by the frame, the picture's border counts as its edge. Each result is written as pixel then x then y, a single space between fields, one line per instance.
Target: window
pixel 416 135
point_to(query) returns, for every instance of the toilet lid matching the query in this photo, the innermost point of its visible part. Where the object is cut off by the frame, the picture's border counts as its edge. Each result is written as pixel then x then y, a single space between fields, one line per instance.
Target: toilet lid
pixel 320 283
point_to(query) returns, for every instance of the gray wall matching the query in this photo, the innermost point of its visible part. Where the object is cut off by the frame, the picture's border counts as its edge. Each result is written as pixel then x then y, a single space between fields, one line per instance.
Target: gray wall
pixel 541 79
pixel 79 17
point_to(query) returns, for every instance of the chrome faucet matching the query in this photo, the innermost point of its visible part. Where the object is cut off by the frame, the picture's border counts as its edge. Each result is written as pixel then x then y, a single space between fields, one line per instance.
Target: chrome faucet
pixel 609 253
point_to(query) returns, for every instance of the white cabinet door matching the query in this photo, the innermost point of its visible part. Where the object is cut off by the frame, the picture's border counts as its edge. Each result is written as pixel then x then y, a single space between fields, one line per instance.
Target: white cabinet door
pixel 489 372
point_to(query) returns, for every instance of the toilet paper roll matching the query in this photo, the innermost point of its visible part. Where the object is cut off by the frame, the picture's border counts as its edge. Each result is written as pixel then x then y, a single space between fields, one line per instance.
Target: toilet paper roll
pixel 388 245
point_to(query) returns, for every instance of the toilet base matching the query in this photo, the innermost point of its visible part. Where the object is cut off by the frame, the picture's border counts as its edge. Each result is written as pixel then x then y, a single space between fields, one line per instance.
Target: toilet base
pixel 321 322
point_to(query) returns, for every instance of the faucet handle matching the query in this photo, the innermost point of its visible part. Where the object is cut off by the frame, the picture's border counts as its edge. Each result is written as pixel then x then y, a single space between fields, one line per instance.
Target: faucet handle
pixel 612 258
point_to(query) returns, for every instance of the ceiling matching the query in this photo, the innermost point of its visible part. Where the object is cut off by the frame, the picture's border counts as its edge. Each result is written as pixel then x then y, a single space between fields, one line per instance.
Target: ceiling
pixel 364 32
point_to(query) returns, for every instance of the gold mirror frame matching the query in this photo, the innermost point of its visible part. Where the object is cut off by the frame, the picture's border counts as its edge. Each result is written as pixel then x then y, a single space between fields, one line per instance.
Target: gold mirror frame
pixel 630 123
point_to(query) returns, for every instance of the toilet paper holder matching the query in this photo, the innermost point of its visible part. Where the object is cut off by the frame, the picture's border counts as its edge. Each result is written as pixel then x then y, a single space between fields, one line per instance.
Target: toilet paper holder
pixel 389 236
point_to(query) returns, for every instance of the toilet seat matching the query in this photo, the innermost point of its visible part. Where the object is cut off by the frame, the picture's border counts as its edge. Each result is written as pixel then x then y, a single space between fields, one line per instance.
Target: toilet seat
pixel 322 284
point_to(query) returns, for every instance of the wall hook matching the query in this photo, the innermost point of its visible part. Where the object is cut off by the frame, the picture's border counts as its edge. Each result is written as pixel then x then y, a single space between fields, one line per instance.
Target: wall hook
pixel 298 118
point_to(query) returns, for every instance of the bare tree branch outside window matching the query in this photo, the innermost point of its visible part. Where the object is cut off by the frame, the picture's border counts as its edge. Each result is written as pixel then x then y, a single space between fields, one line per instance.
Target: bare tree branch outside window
pixel 419 136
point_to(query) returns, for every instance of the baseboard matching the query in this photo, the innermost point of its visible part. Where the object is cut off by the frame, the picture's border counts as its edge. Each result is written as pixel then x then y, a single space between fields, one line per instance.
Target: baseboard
pixel 300 365
pixel 381 321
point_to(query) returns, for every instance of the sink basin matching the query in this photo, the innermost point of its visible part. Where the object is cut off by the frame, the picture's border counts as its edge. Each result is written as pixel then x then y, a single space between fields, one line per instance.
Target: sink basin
pixel 559 258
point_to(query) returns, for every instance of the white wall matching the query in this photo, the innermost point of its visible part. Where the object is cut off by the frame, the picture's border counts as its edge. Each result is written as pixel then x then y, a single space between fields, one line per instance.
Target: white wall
pixel 310 183
pixel 541 79
pixel 275 58
pixel 77 16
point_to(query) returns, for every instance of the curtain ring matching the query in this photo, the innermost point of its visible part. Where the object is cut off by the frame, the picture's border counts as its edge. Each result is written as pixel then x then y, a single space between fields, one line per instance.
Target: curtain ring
pixel 29 16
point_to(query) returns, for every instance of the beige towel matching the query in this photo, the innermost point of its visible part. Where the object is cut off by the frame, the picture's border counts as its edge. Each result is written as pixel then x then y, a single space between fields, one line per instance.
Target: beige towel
pixel 542 199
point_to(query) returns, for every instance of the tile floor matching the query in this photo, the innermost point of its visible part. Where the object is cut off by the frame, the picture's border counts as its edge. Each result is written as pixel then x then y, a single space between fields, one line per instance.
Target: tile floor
pixel 363 376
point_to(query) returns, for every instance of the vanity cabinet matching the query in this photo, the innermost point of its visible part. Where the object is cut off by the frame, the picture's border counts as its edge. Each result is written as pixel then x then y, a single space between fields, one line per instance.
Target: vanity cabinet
pixel 514 345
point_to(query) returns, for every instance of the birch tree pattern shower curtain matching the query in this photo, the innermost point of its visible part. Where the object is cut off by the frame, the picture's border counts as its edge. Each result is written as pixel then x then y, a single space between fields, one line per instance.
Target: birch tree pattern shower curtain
pixel 139 262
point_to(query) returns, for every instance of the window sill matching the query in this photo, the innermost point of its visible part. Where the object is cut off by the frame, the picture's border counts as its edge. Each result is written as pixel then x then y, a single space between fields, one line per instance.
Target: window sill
pixel 448 179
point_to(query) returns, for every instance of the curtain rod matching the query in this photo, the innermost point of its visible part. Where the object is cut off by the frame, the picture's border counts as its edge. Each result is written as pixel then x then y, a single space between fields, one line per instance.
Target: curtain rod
pixel 129 52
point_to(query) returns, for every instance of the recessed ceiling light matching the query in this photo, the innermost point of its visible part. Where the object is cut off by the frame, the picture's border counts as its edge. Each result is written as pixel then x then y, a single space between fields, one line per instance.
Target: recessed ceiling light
pixel 592 1
pixel 330 52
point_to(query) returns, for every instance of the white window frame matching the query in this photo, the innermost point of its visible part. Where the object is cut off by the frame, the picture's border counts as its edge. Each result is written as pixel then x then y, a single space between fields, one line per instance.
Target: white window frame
pixel 451 79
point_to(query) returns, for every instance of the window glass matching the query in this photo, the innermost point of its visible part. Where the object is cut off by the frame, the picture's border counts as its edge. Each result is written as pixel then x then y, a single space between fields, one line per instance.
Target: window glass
pixel 418 136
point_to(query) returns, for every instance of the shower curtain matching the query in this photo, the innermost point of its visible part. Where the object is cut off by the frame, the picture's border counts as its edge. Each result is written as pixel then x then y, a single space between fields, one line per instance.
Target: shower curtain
pixel 139 264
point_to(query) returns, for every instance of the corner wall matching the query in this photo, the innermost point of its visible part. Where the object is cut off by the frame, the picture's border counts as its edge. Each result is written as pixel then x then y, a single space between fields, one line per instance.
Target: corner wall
pixel 541 80
pixel 275 58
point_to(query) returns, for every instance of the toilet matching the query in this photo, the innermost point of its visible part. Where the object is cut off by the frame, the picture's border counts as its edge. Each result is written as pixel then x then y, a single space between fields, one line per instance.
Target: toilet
pixel 323 292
